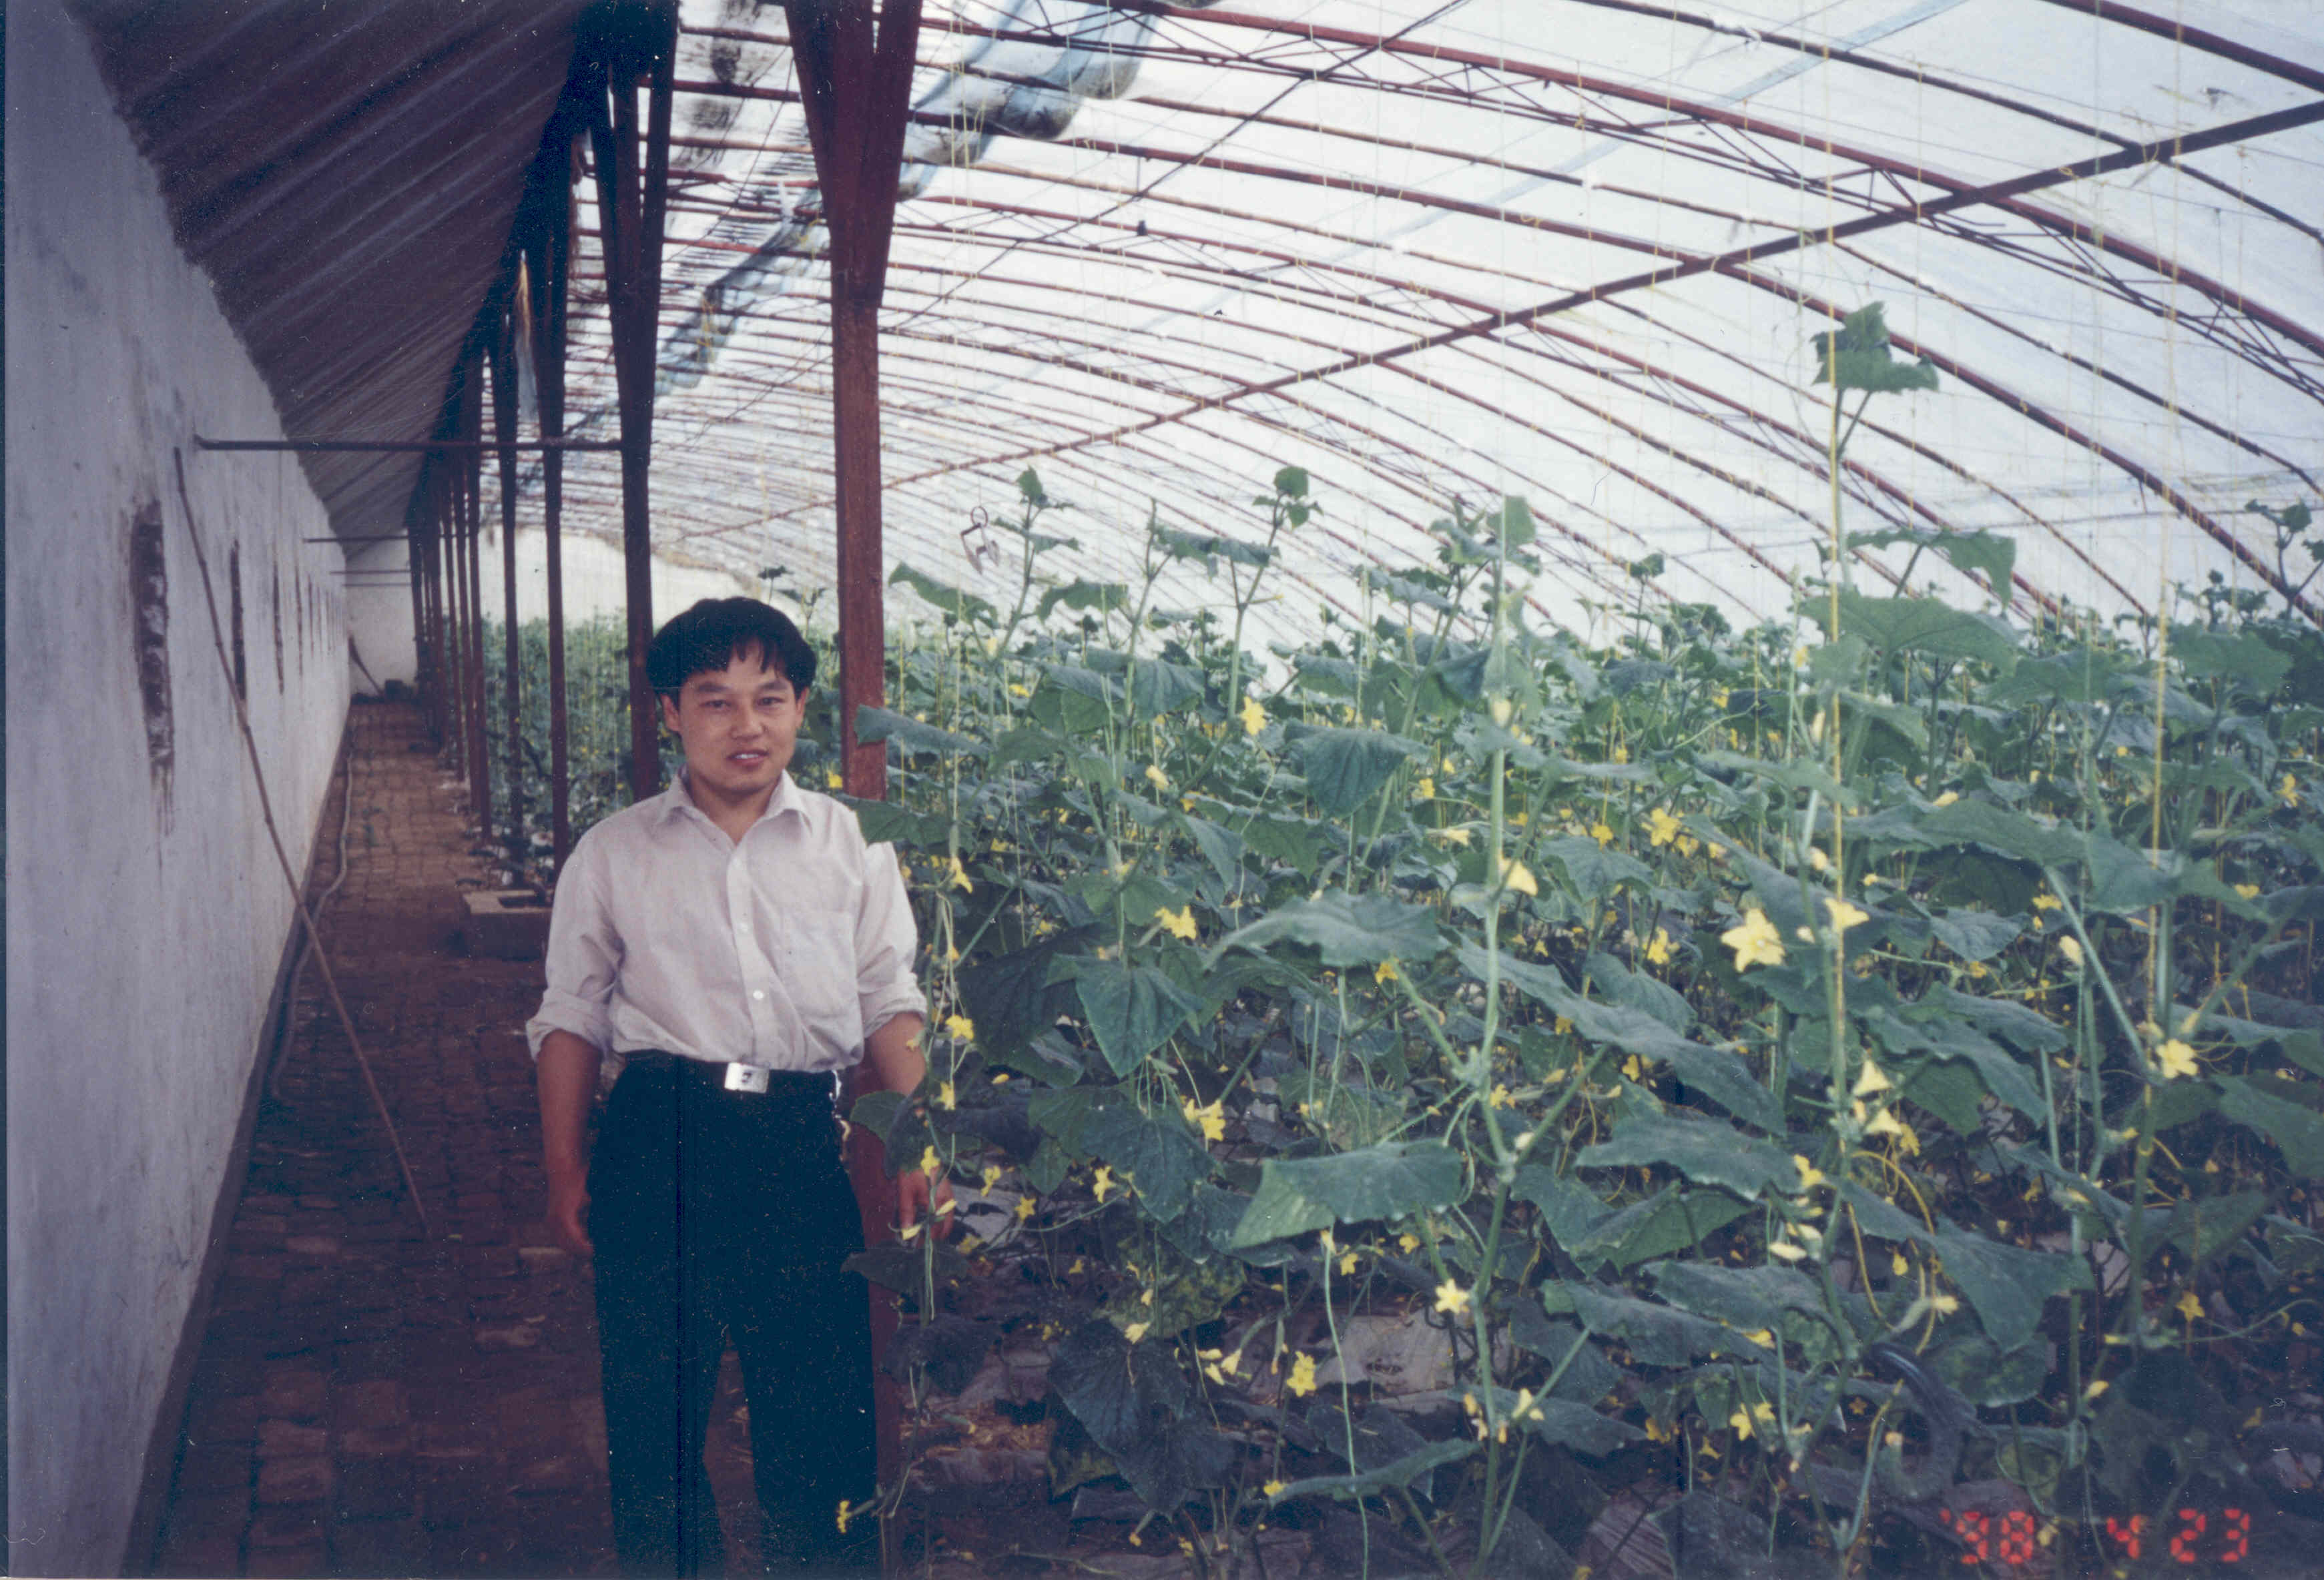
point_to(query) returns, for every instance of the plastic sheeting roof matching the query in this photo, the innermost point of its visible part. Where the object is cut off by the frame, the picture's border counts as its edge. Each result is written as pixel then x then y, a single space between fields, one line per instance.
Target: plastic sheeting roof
pixel 1412 245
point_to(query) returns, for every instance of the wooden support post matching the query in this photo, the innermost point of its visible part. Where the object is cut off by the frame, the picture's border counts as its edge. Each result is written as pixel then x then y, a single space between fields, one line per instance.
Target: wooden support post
pixel 630 214
pixel 856 89
pixel 472 467
pixel 555 251
pixel 502 348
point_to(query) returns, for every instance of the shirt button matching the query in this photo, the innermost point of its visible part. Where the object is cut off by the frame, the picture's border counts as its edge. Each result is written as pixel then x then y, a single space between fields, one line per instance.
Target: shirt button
pixel 758 992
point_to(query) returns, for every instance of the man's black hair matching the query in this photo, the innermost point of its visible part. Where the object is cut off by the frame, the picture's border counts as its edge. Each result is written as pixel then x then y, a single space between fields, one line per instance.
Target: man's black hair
pixel 716 631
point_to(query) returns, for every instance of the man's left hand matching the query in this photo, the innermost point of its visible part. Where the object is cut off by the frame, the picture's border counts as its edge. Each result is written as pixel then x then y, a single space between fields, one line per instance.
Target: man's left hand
pixel 913 1200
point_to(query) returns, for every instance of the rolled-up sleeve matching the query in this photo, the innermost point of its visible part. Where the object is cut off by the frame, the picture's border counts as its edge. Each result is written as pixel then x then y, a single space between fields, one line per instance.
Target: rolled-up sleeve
pixel 886 943
pixel 584 958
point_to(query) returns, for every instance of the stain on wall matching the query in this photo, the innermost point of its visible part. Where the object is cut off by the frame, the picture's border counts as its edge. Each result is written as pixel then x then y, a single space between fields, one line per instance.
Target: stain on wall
pixel 275 591
pixel 149 586
pixel 241 653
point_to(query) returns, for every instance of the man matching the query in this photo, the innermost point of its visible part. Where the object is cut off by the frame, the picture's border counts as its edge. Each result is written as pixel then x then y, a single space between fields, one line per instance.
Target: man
pixel 724 951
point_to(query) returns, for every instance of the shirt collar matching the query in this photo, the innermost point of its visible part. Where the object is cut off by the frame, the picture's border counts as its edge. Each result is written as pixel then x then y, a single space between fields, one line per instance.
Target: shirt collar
pixel 678 801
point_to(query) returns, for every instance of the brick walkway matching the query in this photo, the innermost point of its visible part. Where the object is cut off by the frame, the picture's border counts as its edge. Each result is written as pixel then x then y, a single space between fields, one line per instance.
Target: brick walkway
pixel 369 1401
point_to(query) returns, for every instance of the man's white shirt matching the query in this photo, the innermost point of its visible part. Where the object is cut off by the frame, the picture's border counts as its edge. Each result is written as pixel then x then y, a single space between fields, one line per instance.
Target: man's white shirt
pixel 786 949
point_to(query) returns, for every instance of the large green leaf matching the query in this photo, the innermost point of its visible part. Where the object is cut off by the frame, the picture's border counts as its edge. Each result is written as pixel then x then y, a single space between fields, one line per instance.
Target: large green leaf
pixel 1158 687
pixel 2207 655
pixel 1133 1401
pixel 1948 1037
pixel 1009 996
pixel 1101 596
pixel 1720 1076
pixel 1158 1153
pixel 1663 1225
pixel 951 599
pixel 1637 990
pixel 1221 847
pixel 1400 1473
pixel 1592 868
pixel 1383 1182
pixel 1131 1009
pixel 1858 356
pixel 1207 549
pixel 1927 625
pixel 1988 552
pixel 1351 930
pixel 1076 701
pixel 2126 881
pixel 1975 935
pixel 1656 1334
pixel 2297 1131
pixel 1749 1297
pixel 1346 768
pixel 2005 832
pixel 877 724
pixel 2008 1285
pixel 1711 1151
pixel 1566 1422
pixel 1569 1208
pixel 888 823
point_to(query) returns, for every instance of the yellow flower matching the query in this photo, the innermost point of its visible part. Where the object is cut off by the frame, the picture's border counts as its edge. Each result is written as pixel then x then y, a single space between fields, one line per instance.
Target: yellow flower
pixel 1136 1331
pixel 946 1097
pixel 1254 717
pixel 832 781
pixel 1455 836
pixel 1515 876
pixel 1785 1250
pixel 1179 924
pixel 1810 1175
pixel 1764 1337
pixel 957 875
pixel 2176 1059
pixel 961 1026
pixel 1755 943
pixel 1425 790
pixel 851 1512
pixel 931 1164
pixel 1659 948
pixel 1884 1122
pixel 2045 901
pixel 1019 689
pixel 1870 1081
pixel 1211 1121
pixel 1348 1265
pixel 1561 1026
pixel 1274 1488
pixel 2095 1388
pixel 1384 972
pixel 1740 1421
pixel 991 1175
pixel 1845 915
pixel 1302 1381
pixel 1024 1208
pixel 1101 1183
pixel 2249 891
pixel 1407 1243
pixel 1601 832
pixel 1947 799
pixel 2288 791
pixel 1662 826
pixel 2190 1307
pixel 1499 1097
pixel 1944 1305
pixel 2071 948
pixel 1818 859
pixel 1897 1264
pixel 1452 1299
pixel 1156 778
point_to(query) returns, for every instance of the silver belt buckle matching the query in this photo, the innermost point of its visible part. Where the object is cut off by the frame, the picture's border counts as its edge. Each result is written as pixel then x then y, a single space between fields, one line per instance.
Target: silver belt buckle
pixel 745 1078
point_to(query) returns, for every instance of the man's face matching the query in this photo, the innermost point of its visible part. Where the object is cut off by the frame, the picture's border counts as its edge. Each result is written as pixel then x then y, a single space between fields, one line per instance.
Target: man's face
pixel 738 725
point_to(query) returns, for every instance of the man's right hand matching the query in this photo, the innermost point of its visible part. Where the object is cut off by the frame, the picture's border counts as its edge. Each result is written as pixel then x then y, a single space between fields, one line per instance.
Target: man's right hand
pixel 567 1073
pixel 569 1211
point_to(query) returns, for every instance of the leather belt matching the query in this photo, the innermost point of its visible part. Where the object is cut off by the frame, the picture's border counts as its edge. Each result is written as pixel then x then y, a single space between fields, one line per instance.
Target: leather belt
pixel 748 1080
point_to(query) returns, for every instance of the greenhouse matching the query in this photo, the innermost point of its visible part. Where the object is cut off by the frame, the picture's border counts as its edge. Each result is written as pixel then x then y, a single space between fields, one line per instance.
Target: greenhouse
pixel 1603 720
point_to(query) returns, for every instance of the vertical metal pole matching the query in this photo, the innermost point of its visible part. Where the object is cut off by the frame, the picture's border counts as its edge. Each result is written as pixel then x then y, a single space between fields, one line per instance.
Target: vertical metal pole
pixel 480 768
pixel 438 596
pixel 503 360
pixel 549 369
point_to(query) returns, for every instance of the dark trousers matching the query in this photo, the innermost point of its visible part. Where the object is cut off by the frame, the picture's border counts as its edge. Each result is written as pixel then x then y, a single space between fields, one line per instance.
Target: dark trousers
pixel 723 1215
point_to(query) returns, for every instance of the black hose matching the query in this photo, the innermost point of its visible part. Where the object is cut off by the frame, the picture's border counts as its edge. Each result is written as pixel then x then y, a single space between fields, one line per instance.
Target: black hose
pixel 303 946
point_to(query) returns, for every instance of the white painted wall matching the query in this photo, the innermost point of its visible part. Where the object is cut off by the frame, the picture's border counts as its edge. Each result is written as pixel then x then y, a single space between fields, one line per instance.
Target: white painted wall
pixel 379 614
pixel 144 925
